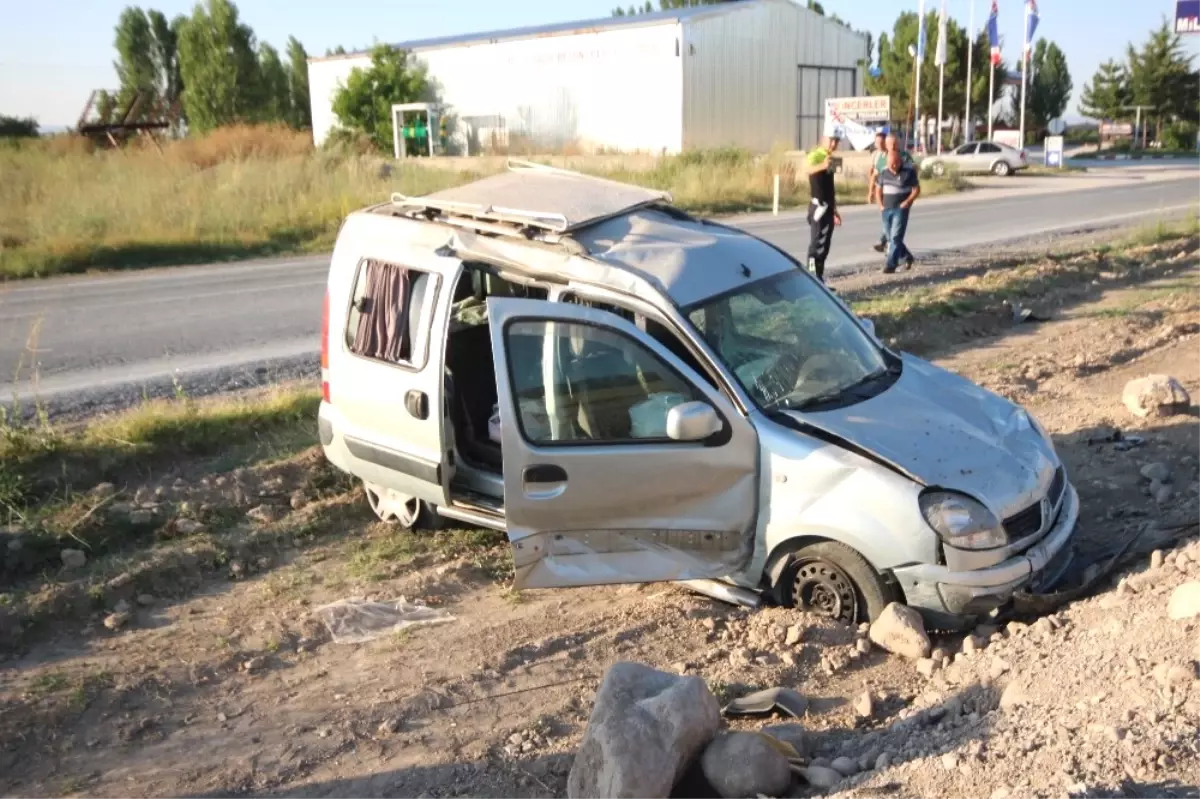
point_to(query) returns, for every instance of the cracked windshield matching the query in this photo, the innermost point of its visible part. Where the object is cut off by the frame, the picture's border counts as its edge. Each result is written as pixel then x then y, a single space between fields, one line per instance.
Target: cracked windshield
pixel 788 343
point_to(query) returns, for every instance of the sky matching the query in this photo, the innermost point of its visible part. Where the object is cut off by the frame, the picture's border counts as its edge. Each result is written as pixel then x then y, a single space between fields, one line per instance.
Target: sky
pixel 54 52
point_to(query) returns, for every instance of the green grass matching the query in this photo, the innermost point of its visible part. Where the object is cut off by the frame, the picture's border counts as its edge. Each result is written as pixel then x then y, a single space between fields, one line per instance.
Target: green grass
pixel 252 192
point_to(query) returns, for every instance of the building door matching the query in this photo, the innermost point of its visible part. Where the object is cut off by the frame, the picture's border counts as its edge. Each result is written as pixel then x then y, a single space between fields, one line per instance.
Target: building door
pixel 816 85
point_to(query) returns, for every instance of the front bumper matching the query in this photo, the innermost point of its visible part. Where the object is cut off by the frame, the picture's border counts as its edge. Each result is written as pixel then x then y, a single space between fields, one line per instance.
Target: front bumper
pixel 953 599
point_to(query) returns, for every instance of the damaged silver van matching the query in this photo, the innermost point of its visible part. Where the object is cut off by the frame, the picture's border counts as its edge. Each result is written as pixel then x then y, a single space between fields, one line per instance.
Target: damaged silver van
pixel 636 395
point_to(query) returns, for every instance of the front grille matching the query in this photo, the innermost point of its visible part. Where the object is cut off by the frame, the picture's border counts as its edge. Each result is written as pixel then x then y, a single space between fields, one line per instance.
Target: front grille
pixel 1028 521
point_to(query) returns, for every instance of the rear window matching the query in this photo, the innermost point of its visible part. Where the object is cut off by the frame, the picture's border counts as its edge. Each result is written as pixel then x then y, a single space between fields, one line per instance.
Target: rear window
pixel 388 312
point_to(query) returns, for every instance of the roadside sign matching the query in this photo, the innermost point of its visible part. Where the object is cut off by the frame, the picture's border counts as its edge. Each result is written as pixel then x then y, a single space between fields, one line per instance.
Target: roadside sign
pixel 1187 16
pixel 1054 151
pixel 1010 137
pixel 861 109
pixel 1116 130
pixel 1059 126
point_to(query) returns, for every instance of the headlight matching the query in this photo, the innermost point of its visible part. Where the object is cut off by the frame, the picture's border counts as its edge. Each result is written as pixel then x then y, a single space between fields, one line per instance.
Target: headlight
pixel 961 521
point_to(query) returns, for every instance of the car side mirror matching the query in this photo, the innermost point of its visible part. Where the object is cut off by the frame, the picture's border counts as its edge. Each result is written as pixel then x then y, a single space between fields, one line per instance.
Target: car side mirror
pixel 692 421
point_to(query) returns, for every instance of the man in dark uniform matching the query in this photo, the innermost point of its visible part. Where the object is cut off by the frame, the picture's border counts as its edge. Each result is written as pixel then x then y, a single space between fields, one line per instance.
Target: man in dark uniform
pixel 823 215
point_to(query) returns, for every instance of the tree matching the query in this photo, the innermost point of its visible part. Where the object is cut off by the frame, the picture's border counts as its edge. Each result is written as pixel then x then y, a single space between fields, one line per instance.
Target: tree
pixel 135 65
pixel 299 107
pixel 1161 77
pixel 364 102
pixel 1048 84
pixel 18 127
pixel 1107 94
pixel 664 5
pixel 275 92
pixel 218 66
pixel 166 54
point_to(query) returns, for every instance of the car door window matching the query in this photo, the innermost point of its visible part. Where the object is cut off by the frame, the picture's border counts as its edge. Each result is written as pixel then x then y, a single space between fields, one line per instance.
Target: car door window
pixel 991 149
pixel 385 319
pixel 966 149
pixel 601 387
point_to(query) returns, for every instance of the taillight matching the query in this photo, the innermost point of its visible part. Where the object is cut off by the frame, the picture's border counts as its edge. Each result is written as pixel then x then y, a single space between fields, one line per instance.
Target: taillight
pixel 325 348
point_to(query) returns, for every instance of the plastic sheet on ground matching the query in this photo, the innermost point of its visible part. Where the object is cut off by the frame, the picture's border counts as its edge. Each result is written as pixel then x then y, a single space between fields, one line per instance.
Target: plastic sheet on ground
pixel 357 621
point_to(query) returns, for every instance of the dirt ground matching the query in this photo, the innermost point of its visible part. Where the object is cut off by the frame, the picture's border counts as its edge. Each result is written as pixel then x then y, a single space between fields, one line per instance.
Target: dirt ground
pixel 220 681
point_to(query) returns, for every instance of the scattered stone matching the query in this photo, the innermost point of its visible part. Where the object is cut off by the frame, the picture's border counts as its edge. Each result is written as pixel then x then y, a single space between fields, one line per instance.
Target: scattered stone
pixel 1173 674
pixel 971 645
pixel 103 491
pixel 256 663
pixel 950 761
pixel 1016 628
pixel 901 631
pixel 1155 395
pixel 115 621
pixel 1015 695
pixel 864 706
pixel 73 558
pixel 845 766
pixel 794 735
pixel 794 635
pixel 1156 559
pixel 146 600
pixel 1157 472
pixel 926 667
pixel 390 726
pixel 862 646
pixel 141 517
pixel 263 514
pixel 121 607
pixel 298 500
pixel 883 761
pixel 742 764
pixel 821 777
pixel 1185 601
pixel 188 527
pixel 645 728
pixel 997 668
pixel 1162 493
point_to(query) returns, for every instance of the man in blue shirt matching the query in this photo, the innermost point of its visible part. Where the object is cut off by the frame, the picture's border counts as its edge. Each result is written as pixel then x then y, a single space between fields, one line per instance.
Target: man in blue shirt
pixel 899 188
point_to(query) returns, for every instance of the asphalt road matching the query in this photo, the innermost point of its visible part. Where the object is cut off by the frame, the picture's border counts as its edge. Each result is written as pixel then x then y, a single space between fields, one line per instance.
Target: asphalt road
pixel 101 332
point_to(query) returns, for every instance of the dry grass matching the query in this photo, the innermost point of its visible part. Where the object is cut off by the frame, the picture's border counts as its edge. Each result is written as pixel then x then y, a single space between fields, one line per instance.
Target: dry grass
pixel 255 191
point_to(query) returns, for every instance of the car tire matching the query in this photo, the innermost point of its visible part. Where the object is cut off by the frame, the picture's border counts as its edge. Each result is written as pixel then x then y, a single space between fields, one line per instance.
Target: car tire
pixel 833 580
pixel 1001 169
pixel 938 169
pixel 408 513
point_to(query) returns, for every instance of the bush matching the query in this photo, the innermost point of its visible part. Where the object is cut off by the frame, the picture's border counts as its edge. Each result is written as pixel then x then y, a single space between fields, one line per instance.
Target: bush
pixel 1180 136
pixel 18 128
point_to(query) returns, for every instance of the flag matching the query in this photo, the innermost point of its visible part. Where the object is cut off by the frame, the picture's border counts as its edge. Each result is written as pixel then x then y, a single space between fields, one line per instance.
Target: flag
pixel 1031 23
pixel 994 34
pixel 921 33
pixel 940 56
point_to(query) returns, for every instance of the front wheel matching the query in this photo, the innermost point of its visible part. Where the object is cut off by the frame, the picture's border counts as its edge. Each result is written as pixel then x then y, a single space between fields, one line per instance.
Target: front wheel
pixel 938 169
pixel 832 580
pixel 1001 169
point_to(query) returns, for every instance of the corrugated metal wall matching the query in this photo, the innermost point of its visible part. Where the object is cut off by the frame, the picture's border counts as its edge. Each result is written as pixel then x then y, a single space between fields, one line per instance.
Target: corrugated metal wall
pixel 757 76
pixel 618 89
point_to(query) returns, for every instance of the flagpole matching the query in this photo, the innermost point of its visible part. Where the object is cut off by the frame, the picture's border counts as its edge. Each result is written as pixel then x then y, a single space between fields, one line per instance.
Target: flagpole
pixel 970 133
pixel 941 92
pixel 941 59
pixel 991 98
pixel 1024 73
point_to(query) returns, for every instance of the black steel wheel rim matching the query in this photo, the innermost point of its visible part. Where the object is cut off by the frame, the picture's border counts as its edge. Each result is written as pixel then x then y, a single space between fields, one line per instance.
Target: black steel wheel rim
pixel 822 588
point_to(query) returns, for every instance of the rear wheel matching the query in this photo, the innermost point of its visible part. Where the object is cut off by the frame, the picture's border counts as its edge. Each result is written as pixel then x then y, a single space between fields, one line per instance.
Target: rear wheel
pixel 401 509
pixel 1001 169
pixel 832 580
pixel 938 169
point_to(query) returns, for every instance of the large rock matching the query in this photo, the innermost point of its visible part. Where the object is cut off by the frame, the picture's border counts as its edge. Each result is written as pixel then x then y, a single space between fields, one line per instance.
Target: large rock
pixel 1185 601
pixel 901 631
pixel 740 764
pixel 646 727
pixel 73 558
pixel 1155 395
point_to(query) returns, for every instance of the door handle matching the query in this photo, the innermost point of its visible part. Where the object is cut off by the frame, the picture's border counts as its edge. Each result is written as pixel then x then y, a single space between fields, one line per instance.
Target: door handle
pixel 544 473
pixel 417 404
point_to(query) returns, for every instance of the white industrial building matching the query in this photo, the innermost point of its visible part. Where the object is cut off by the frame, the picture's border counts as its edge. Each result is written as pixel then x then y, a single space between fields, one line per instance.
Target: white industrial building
pixel 747 73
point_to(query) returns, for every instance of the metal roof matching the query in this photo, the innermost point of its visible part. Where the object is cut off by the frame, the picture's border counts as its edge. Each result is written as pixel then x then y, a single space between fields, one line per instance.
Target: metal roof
pixel 557 28
pixel 538 196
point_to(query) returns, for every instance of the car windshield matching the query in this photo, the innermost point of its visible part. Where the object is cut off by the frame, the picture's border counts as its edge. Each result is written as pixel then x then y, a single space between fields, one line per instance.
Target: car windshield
pixel 788 343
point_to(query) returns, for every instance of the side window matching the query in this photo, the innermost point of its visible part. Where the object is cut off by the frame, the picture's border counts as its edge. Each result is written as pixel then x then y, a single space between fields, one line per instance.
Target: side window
pixel 966 149
pixel 603 387
pixel 988 148
pixel 387 309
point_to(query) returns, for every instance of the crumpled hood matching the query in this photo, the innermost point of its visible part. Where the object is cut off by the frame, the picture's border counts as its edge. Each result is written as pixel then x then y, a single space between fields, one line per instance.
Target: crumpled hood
pixel 948 432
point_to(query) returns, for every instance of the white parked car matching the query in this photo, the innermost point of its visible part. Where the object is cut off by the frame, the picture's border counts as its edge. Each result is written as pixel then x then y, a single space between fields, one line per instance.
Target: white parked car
pixel 978 158
pixel 637 395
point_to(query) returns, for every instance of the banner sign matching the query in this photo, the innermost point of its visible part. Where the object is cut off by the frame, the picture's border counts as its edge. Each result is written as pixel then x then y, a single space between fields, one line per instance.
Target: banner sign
pixel 861 109
pixel 1116 129
pixel 1054 151
pixel 1187 16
